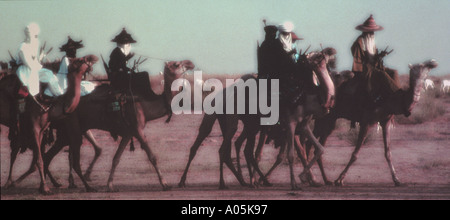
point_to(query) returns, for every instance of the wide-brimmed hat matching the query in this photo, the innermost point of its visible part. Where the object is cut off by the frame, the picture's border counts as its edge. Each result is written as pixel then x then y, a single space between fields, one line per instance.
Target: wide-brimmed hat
pixel 295 37
pixel 369 26
pixel 123 38
pixel 71 45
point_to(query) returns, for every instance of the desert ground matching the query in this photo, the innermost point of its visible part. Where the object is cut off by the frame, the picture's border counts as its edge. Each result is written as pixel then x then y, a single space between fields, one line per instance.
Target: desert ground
pixel 420 153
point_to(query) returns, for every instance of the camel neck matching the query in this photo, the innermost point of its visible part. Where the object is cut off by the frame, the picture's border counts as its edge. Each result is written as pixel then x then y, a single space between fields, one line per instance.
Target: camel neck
pixel 415 86
pixel 73 94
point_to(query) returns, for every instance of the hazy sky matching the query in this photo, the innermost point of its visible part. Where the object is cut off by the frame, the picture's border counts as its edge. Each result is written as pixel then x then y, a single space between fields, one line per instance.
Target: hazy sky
pixel 220 36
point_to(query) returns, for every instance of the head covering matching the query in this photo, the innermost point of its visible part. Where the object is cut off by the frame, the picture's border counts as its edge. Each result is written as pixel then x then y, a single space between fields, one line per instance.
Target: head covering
pixel 286 41
pixel 71 45
pixel 369 26
pixel 295 37
pixel 286 27
pixel 271 29
pixel 32 29
pixel 123 38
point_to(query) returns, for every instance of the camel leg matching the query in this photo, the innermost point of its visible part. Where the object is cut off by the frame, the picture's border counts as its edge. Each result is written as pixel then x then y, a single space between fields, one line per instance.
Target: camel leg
pixel 152 158
pixel 263 136
pixel 238 145
pixel 30 170
pixel 74 152
pixel 261 142
pixel 322 171
pixel 228 127
pixel 322 129
pixel 364 128
pixel 280 158
pixel 387 151
pixel 250 158
pixel 290 153
pixel 98 151
pixel 50 154
pixel 75 138
pixel 301 153
pixel 33 168
pixel 72 184
pixel 14 151
pixel 318 151
pixel 123 144
pixel 38 136
pixel 204 131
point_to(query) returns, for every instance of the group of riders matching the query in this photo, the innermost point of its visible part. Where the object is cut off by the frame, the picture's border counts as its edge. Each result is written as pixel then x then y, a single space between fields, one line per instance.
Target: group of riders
pixel 278 58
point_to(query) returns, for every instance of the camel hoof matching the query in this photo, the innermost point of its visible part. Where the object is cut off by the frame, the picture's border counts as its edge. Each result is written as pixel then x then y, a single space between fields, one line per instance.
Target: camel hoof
pixel 10 185
pixel 253 185
pixel 264 182
pixel 244 184
pixel 328 183
pixel 111 188
pixel 223 187
pixel 57 184
pixel 181 185
pixel 315 184
pixel 399 184
pixel 91 190
pixel 295 187
pixel 338 183
pixel 44 190
pixel 267 184
pixel 166 187
pixel 73 186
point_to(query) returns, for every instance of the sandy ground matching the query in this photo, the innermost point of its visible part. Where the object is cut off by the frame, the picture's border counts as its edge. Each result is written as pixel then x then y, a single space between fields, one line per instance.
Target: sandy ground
pixel 420 153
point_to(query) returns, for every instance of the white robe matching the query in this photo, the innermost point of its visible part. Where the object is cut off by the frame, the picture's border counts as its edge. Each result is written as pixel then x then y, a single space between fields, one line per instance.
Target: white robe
pixel 30 71
pixel 86 86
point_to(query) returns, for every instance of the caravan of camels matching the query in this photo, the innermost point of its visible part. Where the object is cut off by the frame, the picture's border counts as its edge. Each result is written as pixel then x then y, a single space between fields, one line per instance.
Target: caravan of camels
pixel 38 99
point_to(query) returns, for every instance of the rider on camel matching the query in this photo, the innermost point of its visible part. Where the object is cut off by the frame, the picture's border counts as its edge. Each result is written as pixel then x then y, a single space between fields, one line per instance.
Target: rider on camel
pixel 379 81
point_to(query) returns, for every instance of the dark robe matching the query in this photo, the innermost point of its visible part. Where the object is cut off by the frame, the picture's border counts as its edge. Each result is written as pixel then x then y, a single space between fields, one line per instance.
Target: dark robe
pixel 267 59
pixel 119 69
pixel 124 80
pixel 378 81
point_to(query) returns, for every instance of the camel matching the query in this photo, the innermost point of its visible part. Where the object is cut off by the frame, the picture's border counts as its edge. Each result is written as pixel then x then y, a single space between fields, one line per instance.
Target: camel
pixel 445 86
pixel 300 139
pixel 41 116
pixel 369 117
pixel 91 115
pixel 8 88
pixel 61 141
pixel 429 84
pixel 228 123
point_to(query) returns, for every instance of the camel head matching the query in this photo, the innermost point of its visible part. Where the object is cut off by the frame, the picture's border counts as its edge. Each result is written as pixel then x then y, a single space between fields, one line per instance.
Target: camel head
pixel 327 56
pixel 175 69
pixel 79 66
pixel 419 72
pixel 417 75
pixel 319 62
pixel 341 77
